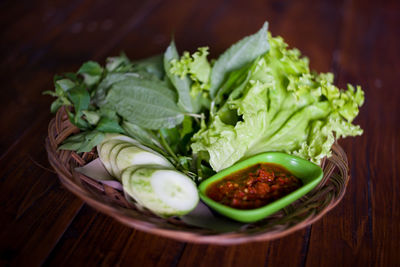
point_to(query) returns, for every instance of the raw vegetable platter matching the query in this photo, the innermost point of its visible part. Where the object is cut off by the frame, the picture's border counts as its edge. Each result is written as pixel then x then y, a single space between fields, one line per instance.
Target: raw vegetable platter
pixel 135 138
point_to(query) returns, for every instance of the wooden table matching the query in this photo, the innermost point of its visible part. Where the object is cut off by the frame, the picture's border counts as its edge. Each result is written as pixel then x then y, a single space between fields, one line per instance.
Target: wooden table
pixel 42 223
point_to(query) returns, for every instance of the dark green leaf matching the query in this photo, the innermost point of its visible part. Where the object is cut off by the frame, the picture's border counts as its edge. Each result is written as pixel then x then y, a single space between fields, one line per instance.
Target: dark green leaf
pixel 76 138
pixel 146 103
pixel 77 120
pixel 67 145
pixel 57 77
pixel 92 139
pixel 238 55
pixel 80 98
pixel 235 78
pixel 182 85
pixel 146 137
pixel 56 105
pixel 172 137
pixel 61 87
pixel 72 76
pixel 152 65
pixel 119 64
pixel 91 68
pixel 185 162
pixel 48 92
pixel 106 83
pixel 187 126
pixel 92 117
pixel 107 125
pixel 83 142
pixel 109 113
pixel 91 72
pixel 65 84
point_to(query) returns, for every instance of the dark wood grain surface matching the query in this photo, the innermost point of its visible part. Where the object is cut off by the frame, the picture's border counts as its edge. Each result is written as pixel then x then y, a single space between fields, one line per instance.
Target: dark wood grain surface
pixel 41 223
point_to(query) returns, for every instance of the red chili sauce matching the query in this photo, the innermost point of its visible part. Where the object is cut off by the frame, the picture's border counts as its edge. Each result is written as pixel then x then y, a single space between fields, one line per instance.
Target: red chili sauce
pixel 254 186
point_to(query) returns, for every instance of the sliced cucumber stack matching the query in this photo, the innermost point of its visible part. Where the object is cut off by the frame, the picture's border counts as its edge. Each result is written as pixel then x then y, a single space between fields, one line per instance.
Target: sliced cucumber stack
pixel 165 192
pixel 135 156
pixel 117 137
pixel 114 157
pixel 147 176
pixel 104 151
pixel 117 152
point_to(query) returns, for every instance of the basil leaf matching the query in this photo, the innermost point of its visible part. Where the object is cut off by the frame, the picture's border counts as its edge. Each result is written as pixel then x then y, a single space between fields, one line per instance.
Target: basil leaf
pixel 146 137
pixel 148 104
pixel 91 72
pixel 78 121
pixel 58 103
pixel 64 84
pixel 75 144
pixel 80 98
pixel 109 113
pixel 182 85
pixel 83 142
pixel 107 125
pixel 91 67
pixel 72 76
pixel 118 64
pixel 106 83
pixel 238 55
pixel 152 65
pixel 92 139
pixel 92 117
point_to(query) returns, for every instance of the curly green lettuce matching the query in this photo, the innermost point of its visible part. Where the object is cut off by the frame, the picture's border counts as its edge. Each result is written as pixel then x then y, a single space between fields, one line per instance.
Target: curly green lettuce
pixel 277 104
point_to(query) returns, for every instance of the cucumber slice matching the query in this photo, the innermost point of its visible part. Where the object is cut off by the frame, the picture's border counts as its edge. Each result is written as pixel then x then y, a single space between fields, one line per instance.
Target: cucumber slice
pixel 114 136
pixel 134 155
pixel 113 155
pixel 104 153
pixel 104 148
pixel 125 178
pixel 165 192
pixel 137 154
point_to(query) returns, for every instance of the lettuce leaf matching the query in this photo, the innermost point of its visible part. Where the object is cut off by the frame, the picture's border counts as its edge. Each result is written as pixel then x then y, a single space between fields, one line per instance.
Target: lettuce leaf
pixel 279 105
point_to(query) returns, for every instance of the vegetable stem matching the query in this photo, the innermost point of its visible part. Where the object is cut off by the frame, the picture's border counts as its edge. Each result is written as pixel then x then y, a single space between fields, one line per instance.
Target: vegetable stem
pixel 166 146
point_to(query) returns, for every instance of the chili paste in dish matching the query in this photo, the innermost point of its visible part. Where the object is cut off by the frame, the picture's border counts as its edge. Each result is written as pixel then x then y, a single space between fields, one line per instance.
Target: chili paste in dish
pixel 253 187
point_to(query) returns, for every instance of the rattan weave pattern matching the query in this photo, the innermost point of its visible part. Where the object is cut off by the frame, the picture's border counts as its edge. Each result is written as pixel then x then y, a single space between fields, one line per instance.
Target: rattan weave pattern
pixel 110 201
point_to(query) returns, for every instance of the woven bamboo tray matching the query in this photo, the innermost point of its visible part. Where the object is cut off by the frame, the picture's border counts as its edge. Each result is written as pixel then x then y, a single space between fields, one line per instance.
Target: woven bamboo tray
pixel 112 202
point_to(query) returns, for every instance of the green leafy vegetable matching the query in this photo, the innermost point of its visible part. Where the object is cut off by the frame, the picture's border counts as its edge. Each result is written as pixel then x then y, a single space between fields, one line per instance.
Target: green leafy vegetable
pixel 102 89
pixel 83 142
pixel 145 103
pixel 118 64
pixel 182 84
pixel 238 55
pixel 197 66
pixel 203 115
pixel 153 65
pixel 282 107
pixel 107 125
pixel 91 71
pixel 92 117
pixel 80 98
pixel 144 136
pixel 62 86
